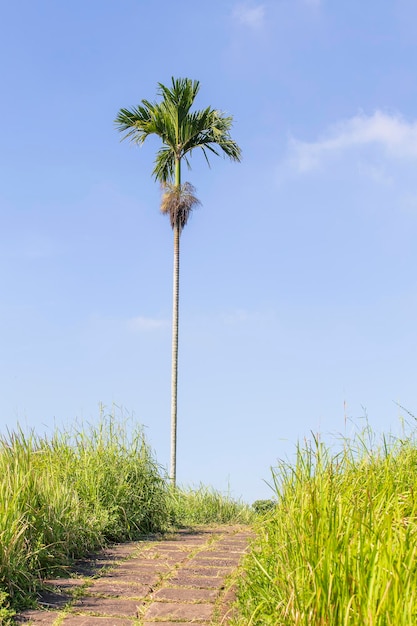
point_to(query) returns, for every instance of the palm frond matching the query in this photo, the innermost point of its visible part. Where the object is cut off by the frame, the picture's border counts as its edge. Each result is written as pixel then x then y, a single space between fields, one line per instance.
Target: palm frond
pixel 164 165
pixel 210 129
pixel 136 122
pixel 181 95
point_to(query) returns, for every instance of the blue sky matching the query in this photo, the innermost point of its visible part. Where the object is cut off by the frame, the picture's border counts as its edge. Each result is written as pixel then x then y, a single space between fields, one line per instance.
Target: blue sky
pixel 298 285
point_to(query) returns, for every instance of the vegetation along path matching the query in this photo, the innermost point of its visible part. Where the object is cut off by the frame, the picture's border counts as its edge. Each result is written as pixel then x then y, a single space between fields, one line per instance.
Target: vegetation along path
pixel 186 578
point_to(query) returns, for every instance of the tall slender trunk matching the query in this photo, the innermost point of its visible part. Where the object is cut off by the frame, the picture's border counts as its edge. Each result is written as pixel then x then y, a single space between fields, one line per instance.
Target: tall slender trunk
pixel 175 313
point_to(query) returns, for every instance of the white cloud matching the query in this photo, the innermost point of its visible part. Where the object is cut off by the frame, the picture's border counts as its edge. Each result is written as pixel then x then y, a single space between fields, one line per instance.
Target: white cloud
pixel 250 15
pixel 145 324
pixel 393 135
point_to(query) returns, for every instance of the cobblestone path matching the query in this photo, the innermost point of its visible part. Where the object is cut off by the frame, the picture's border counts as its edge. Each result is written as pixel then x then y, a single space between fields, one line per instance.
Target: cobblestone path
pixel 185 579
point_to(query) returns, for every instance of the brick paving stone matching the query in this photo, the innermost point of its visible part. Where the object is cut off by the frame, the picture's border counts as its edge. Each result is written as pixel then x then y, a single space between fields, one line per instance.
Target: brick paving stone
pixel 166 557
pixel 221 554
pixel 163 555
pixel 193 535
pixel 166 544
pixel 225 551
pixel 54 599
pixel 40 618
pixel 145 566
pixel 178 611
pixel 183 594
pixel 64 583
pixel 214 562
pixel 164 551
pixel 109 556
pixel 107 606
pixel 191 544
pixel 232 542
pixel 202 582
pixel 89 567
pixel 90 620
pixel 120 589
pixel 232 545
pixel 191 569
pixel 144 577
pixel 121 550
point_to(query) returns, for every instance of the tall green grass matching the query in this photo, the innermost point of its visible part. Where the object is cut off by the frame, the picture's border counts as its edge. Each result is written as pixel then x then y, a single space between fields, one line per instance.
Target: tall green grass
pixel 340 546
pixel 205 505
pixel 63 497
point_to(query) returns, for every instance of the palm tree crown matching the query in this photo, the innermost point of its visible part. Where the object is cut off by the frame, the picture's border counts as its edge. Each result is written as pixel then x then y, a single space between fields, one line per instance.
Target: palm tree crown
pixel 180 129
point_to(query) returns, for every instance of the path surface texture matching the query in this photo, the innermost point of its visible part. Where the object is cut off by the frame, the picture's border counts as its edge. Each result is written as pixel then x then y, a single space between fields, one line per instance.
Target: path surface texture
pixel 187 578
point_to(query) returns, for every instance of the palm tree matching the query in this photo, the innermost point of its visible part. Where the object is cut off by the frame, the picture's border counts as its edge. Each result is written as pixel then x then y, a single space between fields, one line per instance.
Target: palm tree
pixel 181 131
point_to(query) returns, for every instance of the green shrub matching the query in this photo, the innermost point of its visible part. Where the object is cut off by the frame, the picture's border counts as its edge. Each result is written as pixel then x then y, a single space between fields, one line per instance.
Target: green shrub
pixel 263 506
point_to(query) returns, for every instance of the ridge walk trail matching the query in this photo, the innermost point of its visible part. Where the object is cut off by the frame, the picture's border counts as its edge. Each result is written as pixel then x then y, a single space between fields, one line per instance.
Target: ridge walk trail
pixel 185 579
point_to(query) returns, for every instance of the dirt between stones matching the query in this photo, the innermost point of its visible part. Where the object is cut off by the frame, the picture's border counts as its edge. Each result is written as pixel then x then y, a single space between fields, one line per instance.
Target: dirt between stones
pixel 187 578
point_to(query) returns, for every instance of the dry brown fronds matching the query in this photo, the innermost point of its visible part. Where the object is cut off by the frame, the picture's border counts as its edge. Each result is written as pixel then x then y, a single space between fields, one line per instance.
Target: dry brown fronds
pixel 178 201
